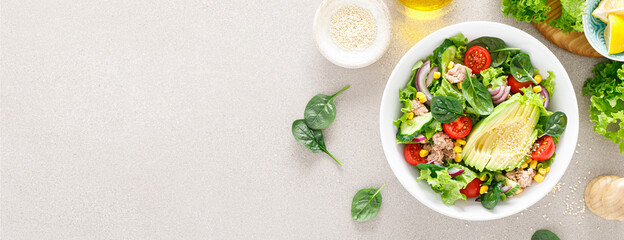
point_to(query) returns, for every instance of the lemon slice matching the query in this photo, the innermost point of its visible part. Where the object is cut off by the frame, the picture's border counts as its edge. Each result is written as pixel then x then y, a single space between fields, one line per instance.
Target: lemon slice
pixel 614 34
pixel 606 7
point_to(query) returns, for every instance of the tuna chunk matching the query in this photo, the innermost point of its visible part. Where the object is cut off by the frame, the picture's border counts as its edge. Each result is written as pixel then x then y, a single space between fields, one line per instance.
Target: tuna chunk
pixel 441 149
pixel 524 177
pixel 418 108
pixel 457 74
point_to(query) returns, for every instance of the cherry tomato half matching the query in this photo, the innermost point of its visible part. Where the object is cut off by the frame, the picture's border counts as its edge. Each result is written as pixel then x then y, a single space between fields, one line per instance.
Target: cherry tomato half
pixel 472 189
pixel 516 86
pixel 545 148
pixel 412 154
pixel 477 59
pixel 458 128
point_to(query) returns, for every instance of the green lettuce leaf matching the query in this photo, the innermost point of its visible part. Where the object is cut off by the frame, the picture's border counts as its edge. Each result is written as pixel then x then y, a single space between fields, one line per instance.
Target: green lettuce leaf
pixel 449 90
pixel 442 182
pixel 526 10
pixel 607 100
pixel 549 83
pixel 432 128
pixel 571 16
pixel 494 76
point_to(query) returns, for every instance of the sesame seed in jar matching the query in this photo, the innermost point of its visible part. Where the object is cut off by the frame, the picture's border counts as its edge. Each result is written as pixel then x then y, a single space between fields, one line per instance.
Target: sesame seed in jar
pixel 353 27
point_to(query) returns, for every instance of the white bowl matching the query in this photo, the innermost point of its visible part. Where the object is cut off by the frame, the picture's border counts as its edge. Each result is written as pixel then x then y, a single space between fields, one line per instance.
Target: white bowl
pixel 352 58
pixel 563 100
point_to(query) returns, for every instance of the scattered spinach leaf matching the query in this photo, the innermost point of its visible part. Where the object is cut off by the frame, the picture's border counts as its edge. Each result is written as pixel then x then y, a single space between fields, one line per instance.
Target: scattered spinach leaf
pixel 310 138
pixel 477 95
pixel 544 234
pixel 521 68
pixel 493 196
pixel 366 204
pixel 320 111
pixel 446 109
pixel 555 125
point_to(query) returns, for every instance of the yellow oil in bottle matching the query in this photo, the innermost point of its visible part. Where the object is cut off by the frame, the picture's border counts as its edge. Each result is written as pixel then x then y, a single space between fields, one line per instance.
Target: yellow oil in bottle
pixel 425 5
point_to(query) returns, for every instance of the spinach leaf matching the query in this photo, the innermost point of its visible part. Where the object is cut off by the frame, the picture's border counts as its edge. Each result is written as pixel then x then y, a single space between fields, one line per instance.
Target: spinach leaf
pixel 493 196
pixel 432 167
pixel 310 138
pixel 321 110
pixel 436 57
pixel 521 68
pixel 556 124
pixel 446 109
pixel 477 95
pixel 544 234
pixel 494 46
pixel 366 204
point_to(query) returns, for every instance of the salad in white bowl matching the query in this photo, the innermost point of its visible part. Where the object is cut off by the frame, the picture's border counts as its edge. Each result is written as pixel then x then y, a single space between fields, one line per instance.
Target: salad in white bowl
pixel 478 121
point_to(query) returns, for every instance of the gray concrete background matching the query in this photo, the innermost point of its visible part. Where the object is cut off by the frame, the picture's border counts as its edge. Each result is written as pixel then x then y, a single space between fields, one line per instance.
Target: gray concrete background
pixel 171 120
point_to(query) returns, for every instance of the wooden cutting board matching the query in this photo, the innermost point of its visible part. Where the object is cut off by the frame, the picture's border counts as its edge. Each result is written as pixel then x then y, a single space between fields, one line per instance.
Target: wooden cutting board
pixel 574 42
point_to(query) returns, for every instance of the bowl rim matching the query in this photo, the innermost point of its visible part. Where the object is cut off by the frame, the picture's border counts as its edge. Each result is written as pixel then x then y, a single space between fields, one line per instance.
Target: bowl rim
pixel 571 134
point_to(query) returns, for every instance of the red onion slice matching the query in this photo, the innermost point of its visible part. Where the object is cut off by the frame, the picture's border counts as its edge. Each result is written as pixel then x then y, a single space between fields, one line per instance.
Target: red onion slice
pixel 494 91
pixel 420 139
pixel 546 96
pixel 454 172
pixel 430 76
pixel 505 188
pixel 421 78
pixel 503 97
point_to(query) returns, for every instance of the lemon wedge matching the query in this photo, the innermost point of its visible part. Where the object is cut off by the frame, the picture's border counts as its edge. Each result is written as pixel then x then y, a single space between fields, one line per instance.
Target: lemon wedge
pixel 606 7
pixel 614 34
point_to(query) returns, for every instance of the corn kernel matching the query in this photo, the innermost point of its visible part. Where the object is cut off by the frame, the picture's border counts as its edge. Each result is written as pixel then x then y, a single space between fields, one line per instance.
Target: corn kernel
pixel 459 86
pixel 547 169
pixel 457 149
pixel 424 153
pixel 483 189
pixel 422 99
pixel 458 157
pixel 542 171
pixel 524 165
pixel 533 164
pixel 518 191
pixel 482 178
pixel 538 78
pixel 420 94
pixel 462 142
pixel 451 65
pixel 410 116
pixel 539 178
pixel 437 75
pixel 537 89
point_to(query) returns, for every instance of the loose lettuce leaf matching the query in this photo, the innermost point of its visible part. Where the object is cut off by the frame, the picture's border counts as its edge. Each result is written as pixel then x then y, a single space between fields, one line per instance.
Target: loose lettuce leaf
pixel 442 182
pixel 607 100
pixel 571 16
pixel 526 10
pixel 449 90
pixel 407 94
pixel 494 76
pixel 432 128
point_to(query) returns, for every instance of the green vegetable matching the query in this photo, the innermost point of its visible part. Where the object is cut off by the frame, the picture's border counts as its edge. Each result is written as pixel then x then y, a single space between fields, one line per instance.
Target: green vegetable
pixel 571 16
pixel 432 128
pixel 447 51
pixel 494 76
pixel 549 83
pixel 547 163
pixel 556 124
pixel 459 40
pixel 410 129
pixel 441 182
pixel 449 90
pixel 526 10
pixel 446 109
pixel 544 234
pixel 607 100
pixel 431 167
pixel 521 68
pixel 511 124
pixel 448 56
pixel 321 110
pixel 493 196
pixel 366 204
pixel 310 138
pixel 407 94
pixel 477 95
pixel 493 45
